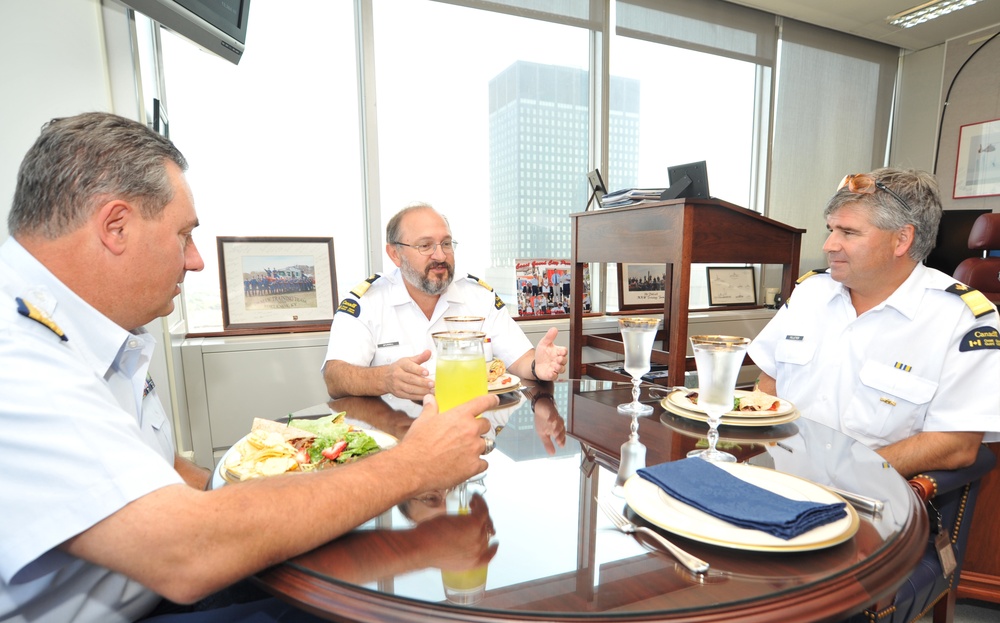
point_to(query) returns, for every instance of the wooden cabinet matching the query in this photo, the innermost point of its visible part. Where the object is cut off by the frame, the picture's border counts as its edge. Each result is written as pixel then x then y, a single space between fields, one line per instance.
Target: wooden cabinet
pixel 675 233
pixel 981 570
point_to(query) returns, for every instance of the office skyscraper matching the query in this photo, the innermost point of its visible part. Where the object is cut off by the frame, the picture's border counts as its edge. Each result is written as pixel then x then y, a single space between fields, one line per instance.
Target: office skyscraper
pixel 538 153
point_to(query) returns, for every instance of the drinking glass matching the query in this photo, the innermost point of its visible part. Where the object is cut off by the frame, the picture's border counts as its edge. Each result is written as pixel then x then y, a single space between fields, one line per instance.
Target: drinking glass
pixel 466 587
pixel 718 359
pixel 460 367
pixel 464 323
pixel 637 335
pixel 460 374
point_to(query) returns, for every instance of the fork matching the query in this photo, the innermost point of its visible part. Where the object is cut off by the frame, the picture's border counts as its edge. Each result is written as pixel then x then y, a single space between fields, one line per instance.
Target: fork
pixel 693 563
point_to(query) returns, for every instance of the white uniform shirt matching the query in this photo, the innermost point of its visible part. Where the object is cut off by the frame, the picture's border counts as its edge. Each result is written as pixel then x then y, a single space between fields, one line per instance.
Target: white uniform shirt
pixel 78 441
pixel 919 361
pixel 384 324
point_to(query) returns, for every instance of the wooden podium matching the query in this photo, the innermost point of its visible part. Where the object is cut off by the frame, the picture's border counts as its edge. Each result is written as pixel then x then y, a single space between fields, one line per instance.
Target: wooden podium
pixel 676 233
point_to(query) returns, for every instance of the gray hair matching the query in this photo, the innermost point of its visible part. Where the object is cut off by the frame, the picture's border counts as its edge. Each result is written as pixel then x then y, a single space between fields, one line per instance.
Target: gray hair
pixel 394 229
pixel 918 189
pixel 79 163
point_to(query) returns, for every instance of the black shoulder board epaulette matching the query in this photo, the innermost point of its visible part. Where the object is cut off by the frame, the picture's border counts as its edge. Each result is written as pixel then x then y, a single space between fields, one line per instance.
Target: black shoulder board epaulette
pixel 480 282
pixel 360 289
pixel 976 300
pixel 28 310
pixel 811 273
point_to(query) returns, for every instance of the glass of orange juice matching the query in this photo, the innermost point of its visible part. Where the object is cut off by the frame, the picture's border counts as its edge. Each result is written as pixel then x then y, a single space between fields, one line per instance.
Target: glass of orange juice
pixel 460 367
pixel 466 587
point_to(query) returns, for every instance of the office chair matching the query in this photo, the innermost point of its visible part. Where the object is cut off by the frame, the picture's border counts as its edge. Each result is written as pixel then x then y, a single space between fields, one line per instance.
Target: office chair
pixel 953 493
pixel 983 273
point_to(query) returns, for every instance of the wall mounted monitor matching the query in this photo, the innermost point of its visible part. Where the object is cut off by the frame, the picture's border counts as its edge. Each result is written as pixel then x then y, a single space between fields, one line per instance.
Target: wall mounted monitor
pixel 218 26
pixel 689 181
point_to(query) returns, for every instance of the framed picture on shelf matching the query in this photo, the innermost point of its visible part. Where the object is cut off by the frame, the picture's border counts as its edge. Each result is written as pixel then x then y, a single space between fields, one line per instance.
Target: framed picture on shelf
pixel 731 285
pixel 277 283
pixel 977 171
pixel 641 286
pixel 543 287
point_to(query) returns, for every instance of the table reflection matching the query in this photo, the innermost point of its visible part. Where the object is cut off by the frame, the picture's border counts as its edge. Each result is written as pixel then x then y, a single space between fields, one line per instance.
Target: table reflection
pixel 547 552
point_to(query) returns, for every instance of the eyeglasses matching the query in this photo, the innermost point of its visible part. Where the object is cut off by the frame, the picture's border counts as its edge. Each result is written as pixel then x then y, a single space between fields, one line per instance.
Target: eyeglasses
pixel 427 248
pixel 864 184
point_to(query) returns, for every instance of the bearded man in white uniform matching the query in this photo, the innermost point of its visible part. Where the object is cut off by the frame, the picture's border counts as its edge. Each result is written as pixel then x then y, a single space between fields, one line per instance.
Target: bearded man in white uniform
pixel 380 339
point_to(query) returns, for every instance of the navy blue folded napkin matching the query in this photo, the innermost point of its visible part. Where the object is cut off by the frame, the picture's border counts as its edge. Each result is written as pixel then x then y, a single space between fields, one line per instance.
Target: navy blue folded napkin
pixel 711 489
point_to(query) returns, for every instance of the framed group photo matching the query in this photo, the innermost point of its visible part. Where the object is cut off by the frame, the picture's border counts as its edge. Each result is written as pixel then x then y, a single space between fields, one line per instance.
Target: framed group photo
pixel 977 171
pixel 641 286
pixel 543 287
pixel 277 283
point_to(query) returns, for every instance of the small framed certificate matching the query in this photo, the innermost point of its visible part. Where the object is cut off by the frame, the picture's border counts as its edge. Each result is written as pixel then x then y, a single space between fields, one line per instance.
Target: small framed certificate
pixel 731 285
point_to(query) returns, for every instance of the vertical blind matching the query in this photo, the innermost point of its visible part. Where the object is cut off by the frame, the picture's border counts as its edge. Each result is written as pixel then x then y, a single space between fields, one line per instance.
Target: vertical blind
pixel 710 26
pixel 832 117
pixel 583 13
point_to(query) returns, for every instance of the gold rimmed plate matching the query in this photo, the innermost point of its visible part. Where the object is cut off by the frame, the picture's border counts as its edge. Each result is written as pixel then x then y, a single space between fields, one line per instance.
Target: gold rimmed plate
pixel 733 418
pixel 679 399
pixel 506 383
pixel 660 509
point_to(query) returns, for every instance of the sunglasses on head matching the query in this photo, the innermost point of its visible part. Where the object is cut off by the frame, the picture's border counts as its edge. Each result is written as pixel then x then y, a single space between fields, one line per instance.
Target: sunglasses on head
pixel 864 184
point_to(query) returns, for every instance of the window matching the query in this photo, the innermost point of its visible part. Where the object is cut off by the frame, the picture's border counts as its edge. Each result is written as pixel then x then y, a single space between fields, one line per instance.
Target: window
pixel 487 114
pixel 272 143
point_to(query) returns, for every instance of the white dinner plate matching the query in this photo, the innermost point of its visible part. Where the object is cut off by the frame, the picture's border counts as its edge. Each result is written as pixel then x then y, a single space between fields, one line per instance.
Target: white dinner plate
pixel 506 383
pixel 660 509
pixel 221 476
pixel 679 399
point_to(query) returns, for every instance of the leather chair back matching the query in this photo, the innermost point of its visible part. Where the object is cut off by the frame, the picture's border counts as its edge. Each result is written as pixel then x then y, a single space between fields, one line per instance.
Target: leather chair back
pixel 983 273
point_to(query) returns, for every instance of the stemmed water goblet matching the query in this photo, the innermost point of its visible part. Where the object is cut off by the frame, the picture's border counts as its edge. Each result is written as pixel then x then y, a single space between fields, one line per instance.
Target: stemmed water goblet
pixel 718 359
pixel 638 335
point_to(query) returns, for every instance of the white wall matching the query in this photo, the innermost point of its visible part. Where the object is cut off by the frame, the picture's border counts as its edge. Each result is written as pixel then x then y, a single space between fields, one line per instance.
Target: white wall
pixel 54 63
pixel 51 65
pixel 917 104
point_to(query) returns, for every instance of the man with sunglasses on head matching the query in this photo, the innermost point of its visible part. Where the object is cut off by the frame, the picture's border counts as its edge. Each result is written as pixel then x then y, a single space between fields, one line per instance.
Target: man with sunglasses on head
pixel 381 333
pixel 895 354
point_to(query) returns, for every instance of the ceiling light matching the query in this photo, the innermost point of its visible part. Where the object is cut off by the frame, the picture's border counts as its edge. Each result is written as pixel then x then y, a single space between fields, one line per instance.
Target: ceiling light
pixel 927 11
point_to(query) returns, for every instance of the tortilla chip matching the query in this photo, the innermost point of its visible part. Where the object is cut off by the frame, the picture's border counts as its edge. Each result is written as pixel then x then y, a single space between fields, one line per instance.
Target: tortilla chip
pixel 287 432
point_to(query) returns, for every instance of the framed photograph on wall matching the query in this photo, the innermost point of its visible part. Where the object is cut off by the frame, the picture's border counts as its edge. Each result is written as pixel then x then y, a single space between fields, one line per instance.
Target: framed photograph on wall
pixel 641 286
pixel 731 285
pixel 277 283
pixel 977 171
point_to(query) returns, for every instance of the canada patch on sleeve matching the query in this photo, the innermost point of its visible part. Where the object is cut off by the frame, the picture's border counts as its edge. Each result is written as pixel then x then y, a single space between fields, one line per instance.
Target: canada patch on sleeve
pixel 980 338
pixel 350 306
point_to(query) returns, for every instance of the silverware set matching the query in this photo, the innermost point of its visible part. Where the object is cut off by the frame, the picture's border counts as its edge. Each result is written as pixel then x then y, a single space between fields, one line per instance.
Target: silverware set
pixel 693 563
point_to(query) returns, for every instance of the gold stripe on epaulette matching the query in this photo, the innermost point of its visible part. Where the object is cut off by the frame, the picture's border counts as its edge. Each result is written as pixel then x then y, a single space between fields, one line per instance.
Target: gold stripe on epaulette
pixel 811 273
pixel 360 289
pixel 28 310
pixel 480 282
pixel 976 300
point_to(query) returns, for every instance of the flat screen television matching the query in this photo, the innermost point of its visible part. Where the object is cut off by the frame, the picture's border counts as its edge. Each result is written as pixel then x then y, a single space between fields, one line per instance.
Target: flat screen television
pixel 218 26
pixel 952 244
pixel 688 181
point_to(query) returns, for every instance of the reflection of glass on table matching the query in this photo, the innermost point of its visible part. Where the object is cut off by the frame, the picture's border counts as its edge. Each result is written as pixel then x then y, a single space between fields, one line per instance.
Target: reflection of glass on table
pixel 536 497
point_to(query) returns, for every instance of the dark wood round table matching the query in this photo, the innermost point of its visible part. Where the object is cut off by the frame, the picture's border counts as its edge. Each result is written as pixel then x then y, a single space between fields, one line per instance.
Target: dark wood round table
pixel 552 556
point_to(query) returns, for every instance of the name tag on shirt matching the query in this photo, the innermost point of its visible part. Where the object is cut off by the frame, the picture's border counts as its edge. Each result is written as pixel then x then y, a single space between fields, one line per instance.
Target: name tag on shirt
pixel 387 345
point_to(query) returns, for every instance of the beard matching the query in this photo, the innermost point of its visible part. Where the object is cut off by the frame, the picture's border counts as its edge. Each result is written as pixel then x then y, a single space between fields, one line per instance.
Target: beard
pixel 423 281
